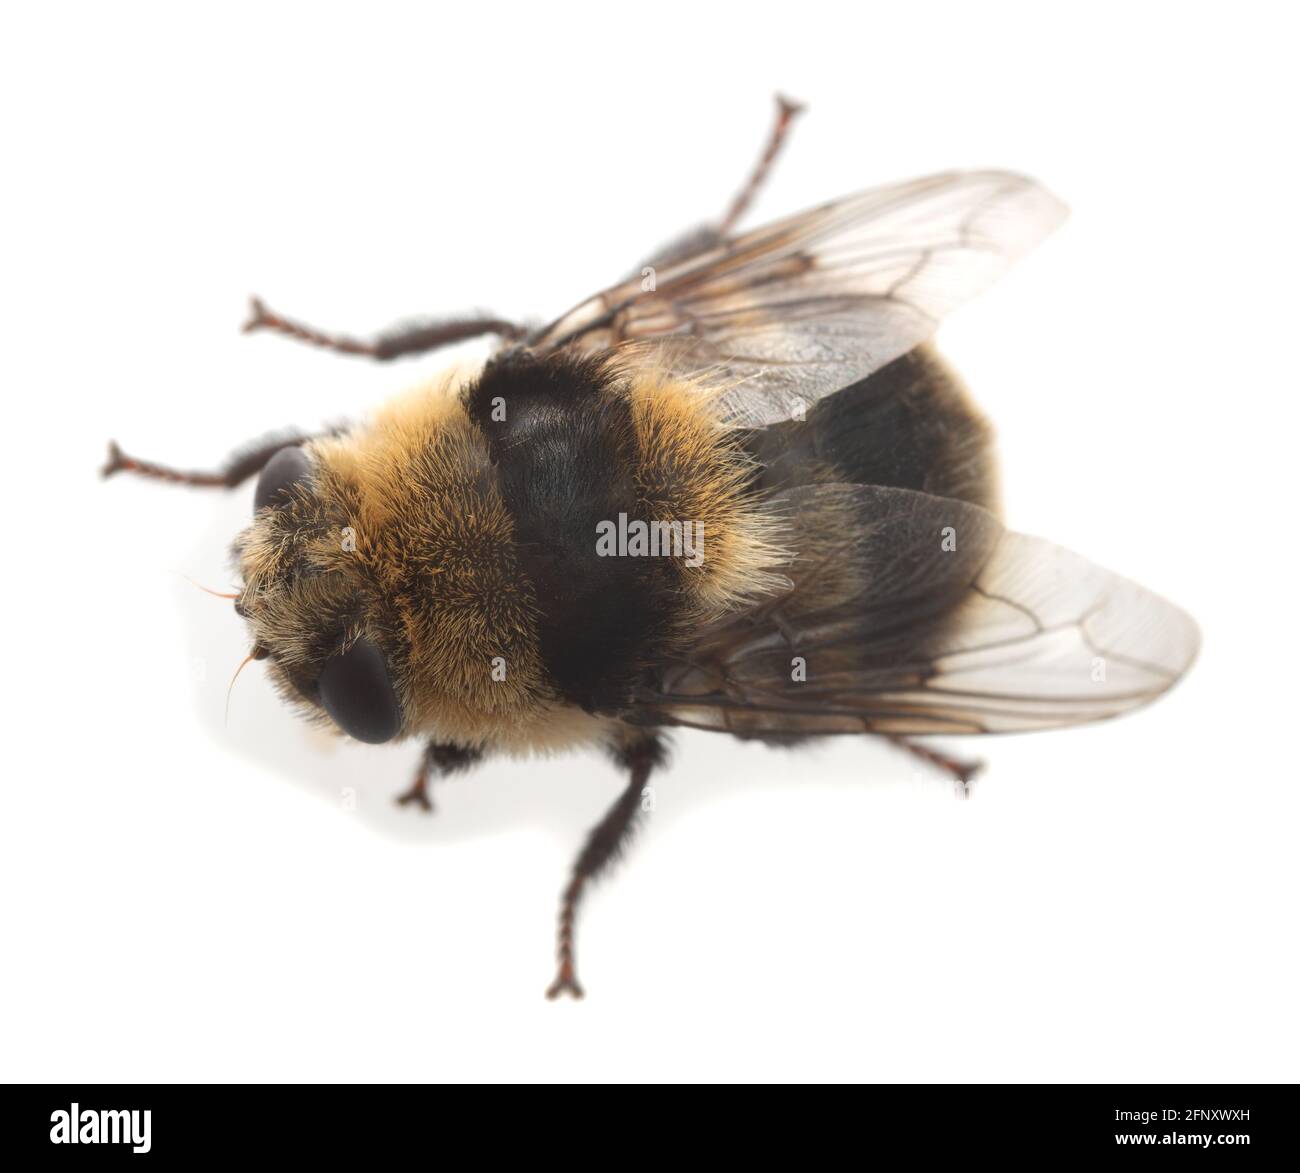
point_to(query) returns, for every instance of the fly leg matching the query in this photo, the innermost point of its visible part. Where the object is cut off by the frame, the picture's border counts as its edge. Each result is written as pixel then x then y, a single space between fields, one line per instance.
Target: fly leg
pixel 412 338
pixel 436 761
pixel 247 462
pixel 786 112
pixel 963 773
pixel 708 236
pixel 605 842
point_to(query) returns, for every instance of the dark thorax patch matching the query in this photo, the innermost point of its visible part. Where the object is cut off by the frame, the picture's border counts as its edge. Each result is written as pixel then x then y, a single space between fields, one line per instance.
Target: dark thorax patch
pixel 564 448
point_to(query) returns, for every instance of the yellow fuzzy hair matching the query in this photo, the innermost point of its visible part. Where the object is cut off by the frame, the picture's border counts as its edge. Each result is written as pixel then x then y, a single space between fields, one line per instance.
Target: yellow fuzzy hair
pixel 691 467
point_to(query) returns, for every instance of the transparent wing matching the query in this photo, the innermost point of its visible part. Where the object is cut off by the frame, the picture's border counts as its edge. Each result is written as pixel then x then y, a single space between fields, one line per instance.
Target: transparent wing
pixel 909 614
pixel 798 309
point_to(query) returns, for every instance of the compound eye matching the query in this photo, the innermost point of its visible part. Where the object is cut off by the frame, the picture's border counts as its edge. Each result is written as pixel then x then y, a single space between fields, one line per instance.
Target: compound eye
pixel 284 470
pixel 356 691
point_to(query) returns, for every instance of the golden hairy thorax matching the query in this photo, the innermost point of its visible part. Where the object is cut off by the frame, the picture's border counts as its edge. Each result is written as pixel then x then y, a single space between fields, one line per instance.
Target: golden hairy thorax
pixel 405 535
pixel 690 466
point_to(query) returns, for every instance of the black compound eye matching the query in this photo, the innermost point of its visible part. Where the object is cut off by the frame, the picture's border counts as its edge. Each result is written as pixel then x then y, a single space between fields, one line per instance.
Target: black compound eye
pixel 357 692
pixel 284 470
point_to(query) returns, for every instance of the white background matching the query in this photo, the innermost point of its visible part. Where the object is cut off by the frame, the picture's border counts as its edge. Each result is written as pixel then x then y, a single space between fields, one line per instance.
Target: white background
pixel 191 898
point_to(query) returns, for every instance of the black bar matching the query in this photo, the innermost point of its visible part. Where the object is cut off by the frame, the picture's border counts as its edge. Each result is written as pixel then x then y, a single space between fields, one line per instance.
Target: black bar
pixel 373 1122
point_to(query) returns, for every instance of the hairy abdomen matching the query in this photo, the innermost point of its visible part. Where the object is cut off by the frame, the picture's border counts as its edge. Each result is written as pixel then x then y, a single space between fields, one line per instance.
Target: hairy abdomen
pixel 911 425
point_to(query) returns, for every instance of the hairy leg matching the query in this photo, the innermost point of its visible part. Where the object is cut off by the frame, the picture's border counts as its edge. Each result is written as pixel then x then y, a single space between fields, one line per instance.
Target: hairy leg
pixel 708 236
pixel 963 773
pixel 245 463
pixel 639 754
pixel 413 338
pixel 786 112
pixel 437 761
